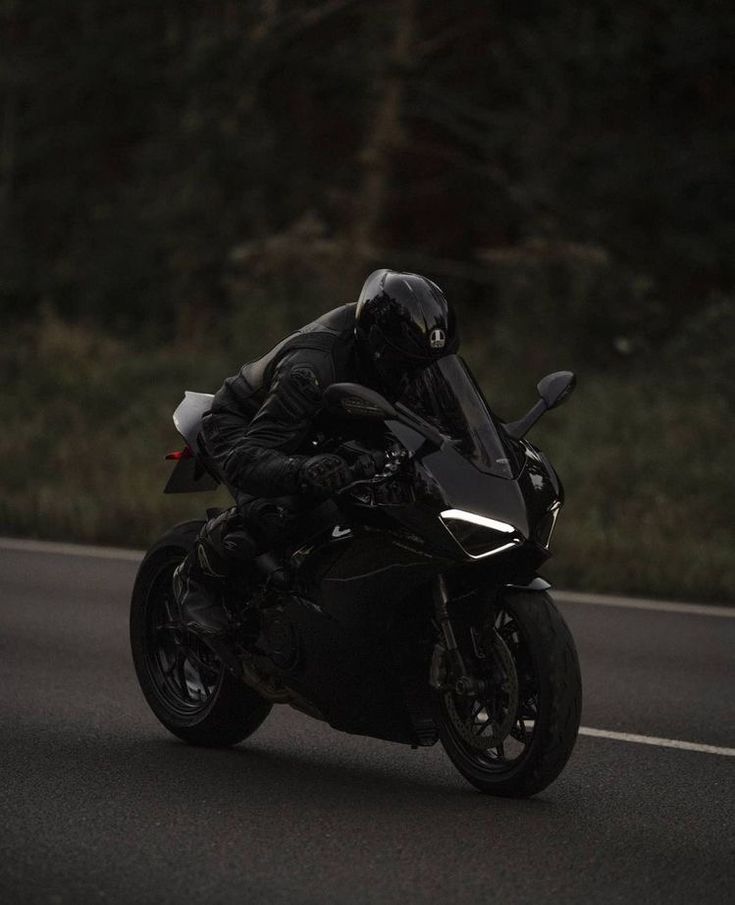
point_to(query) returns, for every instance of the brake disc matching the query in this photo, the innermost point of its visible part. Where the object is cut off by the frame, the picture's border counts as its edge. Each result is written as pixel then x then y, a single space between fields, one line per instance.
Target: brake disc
pixel 488 720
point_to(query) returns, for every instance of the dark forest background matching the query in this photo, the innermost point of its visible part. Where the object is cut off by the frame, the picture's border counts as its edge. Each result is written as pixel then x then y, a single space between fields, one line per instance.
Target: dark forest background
pixel 183 182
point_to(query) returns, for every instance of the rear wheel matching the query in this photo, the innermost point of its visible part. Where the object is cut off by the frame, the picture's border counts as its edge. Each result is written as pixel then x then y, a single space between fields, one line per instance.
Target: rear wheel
pixel 186 686
pixel 513 733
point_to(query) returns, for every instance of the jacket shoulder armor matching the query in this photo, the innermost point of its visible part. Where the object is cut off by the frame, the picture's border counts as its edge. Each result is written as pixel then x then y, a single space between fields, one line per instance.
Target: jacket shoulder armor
pixel 331 334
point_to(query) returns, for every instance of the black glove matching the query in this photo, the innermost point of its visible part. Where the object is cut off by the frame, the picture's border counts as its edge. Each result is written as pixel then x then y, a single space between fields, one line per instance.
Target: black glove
pixel 266 520
pixel 326 473
pixel 368 464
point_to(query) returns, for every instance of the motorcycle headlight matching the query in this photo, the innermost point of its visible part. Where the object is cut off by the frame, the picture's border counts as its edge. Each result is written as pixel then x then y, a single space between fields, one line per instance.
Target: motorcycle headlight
pixel 478 535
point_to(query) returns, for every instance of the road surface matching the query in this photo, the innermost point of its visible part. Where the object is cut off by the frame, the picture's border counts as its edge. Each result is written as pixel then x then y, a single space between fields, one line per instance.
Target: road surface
pixel 99 804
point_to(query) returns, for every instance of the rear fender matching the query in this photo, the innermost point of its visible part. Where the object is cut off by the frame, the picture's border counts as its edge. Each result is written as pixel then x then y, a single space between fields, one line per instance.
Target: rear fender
pixel 189 413
pixel 190 476
pixel 191 473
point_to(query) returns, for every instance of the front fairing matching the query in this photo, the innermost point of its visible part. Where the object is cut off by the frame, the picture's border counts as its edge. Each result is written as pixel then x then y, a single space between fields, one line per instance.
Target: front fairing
pixel 445 480
pixel 489 486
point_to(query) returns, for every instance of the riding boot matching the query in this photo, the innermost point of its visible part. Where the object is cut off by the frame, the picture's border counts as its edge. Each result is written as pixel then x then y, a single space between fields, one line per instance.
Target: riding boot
pixel 197 586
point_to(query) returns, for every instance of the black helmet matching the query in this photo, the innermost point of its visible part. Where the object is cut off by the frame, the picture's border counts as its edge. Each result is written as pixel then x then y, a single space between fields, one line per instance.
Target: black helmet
pixel 403 323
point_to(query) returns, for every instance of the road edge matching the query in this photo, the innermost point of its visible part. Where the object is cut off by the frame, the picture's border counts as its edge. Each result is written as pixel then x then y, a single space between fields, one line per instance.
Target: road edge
pixel 26 545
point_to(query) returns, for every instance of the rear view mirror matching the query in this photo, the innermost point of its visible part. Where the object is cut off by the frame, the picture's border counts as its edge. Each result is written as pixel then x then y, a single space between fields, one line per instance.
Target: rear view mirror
pixel 358 401
pixel 556 388
pixel 553 389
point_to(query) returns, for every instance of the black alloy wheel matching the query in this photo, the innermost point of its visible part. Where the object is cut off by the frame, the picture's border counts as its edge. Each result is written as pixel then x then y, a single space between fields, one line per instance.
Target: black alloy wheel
pixel 184 682
pixel 513 734
pixel 185 673
pixel 497 722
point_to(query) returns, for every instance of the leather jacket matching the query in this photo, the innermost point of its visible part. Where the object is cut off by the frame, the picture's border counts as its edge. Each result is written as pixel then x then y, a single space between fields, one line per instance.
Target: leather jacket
pixel 262 417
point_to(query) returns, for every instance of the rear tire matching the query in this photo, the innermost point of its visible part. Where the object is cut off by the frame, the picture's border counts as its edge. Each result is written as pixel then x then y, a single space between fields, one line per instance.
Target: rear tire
pixel 547 689
pixel 186 687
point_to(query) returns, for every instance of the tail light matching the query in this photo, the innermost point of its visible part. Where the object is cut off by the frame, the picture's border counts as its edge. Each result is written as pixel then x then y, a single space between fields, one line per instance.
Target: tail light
pixel 178 454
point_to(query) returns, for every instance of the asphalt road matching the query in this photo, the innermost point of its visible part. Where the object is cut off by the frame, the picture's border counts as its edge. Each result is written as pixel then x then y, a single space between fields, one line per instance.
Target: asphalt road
pixel 98 803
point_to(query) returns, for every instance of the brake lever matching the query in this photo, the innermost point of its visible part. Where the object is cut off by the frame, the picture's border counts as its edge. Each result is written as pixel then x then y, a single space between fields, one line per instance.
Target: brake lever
pixel 394 459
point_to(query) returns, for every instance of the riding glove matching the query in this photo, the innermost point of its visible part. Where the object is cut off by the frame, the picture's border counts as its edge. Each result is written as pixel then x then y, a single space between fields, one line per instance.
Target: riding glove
pixel 326 473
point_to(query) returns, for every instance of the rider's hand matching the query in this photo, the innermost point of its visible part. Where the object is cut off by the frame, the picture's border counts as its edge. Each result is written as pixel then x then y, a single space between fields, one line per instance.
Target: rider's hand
pixel 369 464
pixel 326 473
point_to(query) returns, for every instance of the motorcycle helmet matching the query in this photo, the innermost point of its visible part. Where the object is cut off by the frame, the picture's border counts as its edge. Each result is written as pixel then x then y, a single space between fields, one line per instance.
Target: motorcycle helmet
pixel 403 323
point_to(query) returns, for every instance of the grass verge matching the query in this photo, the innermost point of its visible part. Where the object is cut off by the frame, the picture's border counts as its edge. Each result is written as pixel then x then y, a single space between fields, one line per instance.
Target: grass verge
pixel 644 457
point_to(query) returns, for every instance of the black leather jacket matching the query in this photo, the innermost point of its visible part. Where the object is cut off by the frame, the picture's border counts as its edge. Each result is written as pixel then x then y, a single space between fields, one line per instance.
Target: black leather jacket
pixel 262 417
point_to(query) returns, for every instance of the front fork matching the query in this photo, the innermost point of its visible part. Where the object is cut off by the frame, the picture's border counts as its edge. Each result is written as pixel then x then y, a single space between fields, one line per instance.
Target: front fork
pixel 448 670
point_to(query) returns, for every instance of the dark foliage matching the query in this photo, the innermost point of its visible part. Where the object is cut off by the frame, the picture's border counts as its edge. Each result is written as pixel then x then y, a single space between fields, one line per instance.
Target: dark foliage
pixel 567 161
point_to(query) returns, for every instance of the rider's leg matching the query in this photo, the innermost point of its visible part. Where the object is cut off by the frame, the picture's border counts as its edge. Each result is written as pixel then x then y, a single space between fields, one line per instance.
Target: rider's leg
pixel 223 545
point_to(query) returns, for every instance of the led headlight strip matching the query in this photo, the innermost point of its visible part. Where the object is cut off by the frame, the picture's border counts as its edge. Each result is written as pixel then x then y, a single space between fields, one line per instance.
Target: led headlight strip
pixel 460 515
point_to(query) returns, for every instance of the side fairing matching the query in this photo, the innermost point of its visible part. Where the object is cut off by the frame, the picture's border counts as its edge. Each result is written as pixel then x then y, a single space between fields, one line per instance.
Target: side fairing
pixel 358 616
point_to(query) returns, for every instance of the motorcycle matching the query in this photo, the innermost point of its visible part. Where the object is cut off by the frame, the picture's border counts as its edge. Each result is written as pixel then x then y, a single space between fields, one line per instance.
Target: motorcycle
pixel 407 607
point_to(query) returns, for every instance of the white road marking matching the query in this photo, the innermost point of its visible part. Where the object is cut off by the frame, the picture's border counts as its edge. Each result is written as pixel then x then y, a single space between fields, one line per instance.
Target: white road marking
pixel 633 603
pixel 50 547
pixel 657 742
pixel 638 603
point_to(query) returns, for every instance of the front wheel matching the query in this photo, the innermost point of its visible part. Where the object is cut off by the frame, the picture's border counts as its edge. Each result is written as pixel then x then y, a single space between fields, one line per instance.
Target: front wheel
pixel 514 732
pixel 186 686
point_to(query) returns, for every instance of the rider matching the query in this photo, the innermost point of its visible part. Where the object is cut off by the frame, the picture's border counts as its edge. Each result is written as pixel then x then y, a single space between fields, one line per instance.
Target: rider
pixel 261 421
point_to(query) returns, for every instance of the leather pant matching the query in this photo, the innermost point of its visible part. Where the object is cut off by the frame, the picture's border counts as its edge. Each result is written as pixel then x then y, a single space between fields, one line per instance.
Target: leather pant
pixel 227 545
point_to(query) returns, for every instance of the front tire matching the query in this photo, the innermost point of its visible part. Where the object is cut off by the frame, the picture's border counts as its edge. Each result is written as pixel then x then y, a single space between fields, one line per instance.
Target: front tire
pixel 185 685
pixel 515 740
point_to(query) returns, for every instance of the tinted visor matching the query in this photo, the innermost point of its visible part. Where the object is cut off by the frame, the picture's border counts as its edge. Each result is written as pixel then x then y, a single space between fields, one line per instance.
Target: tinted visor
pixel 446 395
pixel 396 371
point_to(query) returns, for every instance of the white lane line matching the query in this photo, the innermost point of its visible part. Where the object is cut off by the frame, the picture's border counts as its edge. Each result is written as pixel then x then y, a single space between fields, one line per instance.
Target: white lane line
pixel 633 603
pixel 50 547
pixel 657 742
pixel 34 546
pixel 638 603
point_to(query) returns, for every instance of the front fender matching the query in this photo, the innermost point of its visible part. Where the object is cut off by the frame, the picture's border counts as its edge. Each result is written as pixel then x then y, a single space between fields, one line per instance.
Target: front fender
pixel 536 584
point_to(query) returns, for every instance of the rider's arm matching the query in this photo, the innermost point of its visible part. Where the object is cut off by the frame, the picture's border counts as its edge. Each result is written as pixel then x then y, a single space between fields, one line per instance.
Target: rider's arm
pixel 261 457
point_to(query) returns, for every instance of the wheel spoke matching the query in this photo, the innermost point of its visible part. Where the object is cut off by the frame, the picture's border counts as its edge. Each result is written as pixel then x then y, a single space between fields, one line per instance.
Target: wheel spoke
pixel 207 673
pixel 181 675
pixel 519 732
pixel 493 726
pixel 173 665
pixel 481 725
pixel 170 607
pixel 528 709
pixel 476 708
pixel 166 627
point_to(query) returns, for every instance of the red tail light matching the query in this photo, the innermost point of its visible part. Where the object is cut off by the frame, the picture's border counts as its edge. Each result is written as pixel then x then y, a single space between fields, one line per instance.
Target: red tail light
pixel 184 453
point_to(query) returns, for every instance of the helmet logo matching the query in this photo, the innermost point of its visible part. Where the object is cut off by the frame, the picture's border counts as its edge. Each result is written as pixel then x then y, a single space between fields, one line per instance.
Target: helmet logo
pixel 437 339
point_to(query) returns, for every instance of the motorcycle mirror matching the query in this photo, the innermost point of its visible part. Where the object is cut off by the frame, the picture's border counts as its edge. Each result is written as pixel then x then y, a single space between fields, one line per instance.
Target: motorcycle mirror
pixel 556 388
pixel 358 402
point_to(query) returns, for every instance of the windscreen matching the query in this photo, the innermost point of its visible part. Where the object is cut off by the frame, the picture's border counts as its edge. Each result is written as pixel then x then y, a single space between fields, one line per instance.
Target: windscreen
pixel 446 395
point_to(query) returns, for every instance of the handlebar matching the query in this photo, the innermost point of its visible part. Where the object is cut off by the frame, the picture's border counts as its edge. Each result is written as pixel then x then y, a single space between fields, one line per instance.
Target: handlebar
pixel 376 467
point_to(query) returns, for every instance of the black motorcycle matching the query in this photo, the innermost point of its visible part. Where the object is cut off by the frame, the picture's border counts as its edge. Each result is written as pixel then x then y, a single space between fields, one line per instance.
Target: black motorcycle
pixel 406 608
